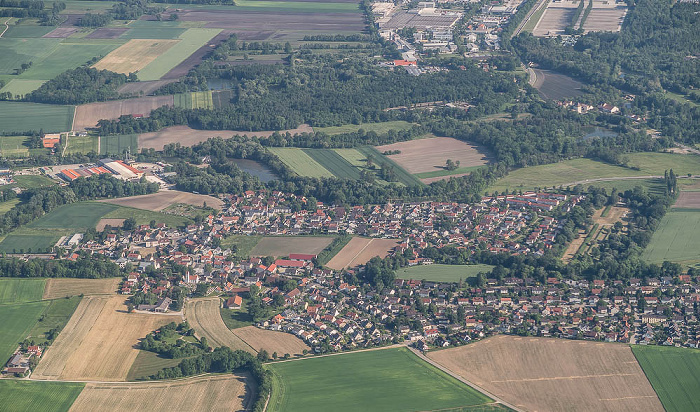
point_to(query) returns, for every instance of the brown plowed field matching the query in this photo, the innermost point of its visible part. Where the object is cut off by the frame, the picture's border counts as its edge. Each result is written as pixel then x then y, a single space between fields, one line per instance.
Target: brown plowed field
pixel 189 137
pixel 134 55
pixel 282 245
pixel 54 360
pixel 205 318
pixel 359 251
pixel 109 221
pixel 688 200
pixel 62 287
pixel 207 393
pixel 429 155
pixel 271 341
pixel 540 374
pixel 101 347
pixel 160 200
pixel 106 33
pixel 87 115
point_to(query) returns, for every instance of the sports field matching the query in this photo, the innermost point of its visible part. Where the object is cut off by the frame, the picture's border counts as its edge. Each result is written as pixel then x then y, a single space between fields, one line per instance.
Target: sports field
pixel 22 117
pixel 14 146
pixel 28 396
pixel 188 43
pixel 380 380
pixel 279 246
pixel 676 239
pixel 33 181
pixel 134 55
pixel 14 290
pixel 673 372
pixel 17 320
pixel 379 128
pixel 300 162
pixel 82 144
pixel 119 143
pixel 443 273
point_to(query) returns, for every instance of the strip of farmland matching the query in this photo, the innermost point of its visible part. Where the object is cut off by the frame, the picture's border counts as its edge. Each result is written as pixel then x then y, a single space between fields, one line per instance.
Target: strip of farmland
pixel 300 162
pixel 334 162
pixel 401 175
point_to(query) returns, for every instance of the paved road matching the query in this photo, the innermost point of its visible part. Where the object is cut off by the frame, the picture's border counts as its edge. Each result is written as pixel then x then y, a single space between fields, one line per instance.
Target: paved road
pixel 527 18
pixel 461 379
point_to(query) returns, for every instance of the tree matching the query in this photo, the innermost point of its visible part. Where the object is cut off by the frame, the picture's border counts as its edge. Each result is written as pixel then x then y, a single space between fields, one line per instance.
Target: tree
pixel 263 356
pixel 129 224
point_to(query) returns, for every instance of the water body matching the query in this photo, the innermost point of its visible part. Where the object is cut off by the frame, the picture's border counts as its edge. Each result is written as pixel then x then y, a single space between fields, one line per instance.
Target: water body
pixel 595 131
pixel 256 169
pixel 219 84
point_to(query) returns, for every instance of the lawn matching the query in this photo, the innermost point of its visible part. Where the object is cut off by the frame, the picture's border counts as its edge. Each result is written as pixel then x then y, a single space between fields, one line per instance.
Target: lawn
pixel 148 363
pixel 381 380
pixel 379 128
pixel 237 318
pixel 300 162
pixel 190 41
pixel 14 146
pixel 21 396
pixel 32 181
pixel 673 373
pixel 13 290
pixel 119 143
pixel 241 245
pixel 82 144
pixel 676 239
pixel 22 117
pixel 442 273
pixel 334 162
pixel 17 321
pixel 55 316
pixel 577 170
pixel 74 216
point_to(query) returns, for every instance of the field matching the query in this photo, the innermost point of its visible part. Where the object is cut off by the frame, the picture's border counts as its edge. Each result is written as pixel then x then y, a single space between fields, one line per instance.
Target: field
pixel 15 290
pixel 22 117
pixel 207 393
pixel 14 146
pixel 55 316
pixel 333 162
pixel 73 216
pixel 673 374
pixel 359 251
pixel 300 162
pixel 556 86
pixel 443 273
pixel 118 144
pixel 243 244
pixel 188 43
pixel 555 18
pixel 204 317
pixel 271 341
pixel 134 55
pixel 28 243
pixel 144 217
pixel 82 144
pixel 676 238
pixel 66 56
pixel 21 396
pixel 586 171
pixel 555 375
pixel 195 100
pixel 7 205
pixel 380 380
pixel 402 176
pixel 379 128
pixel 430 155
pixel 98 343
pixel 32 181
pixel 688 200
pixel 87 115
pixel 62 287
pixel 279 246
pixel 21 87
pixel 17 321
pixel 158 201
pixel 149 363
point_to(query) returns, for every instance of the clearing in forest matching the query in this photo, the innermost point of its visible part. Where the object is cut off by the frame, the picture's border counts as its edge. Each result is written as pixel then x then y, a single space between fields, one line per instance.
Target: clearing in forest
pixel 87 115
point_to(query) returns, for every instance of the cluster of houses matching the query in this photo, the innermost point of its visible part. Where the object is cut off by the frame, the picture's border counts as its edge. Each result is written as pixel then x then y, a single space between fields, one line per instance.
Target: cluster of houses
pixel 20 363
pixel 583 108
pixel 483 30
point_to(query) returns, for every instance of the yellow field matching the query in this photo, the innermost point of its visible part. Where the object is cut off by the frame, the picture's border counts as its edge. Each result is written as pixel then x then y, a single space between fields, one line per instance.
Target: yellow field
pixel 62 287
pixel 99 342
pixel 134 55
pixel 207 393
pixel 205 318
pixel 271 341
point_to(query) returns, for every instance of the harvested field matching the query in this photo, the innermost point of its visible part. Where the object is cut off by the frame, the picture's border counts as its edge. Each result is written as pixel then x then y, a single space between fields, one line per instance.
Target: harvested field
pixel 62 287
pixel 61 32
pixel 556 86
pixel 158 201
pixel 87 115
pixel 205 318
pixel 428 155
pixel 99 342
pixel 134 55
pixel 206 393
pixel 688 200
pixel 189 42
pixel 284 245
pixel 109 221
pixel 106 33
pixel 189 137
pixel 554 375
pixel 271 341
pixel 273 20
pixel 359 251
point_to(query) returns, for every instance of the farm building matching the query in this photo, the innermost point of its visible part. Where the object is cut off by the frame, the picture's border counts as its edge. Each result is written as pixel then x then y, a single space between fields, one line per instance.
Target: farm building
pixel 72 174
pixel 51 140
pixel 121 169
pixel 234 302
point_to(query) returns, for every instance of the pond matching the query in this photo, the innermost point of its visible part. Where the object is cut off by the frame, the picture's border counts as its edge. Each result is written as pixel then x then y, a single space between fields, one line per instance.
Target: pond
pixel 256 169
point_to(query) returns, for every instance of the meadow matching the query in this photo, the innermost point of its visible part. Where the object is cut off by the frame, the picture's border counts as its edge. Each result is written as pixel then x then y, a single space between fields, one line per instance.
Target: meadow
pixel 402 176
pixel 22 117
pixel 17 321
pixel 28 243
pixel 20 396
pixel 676 239
pixel 379 128
pixel 144 217
pixel 442 273
pixel 73 216
pixel 82 144
pixel 300 162
pixel 334 162
pixel 14 290
pixel 242 244
pixel 386 380
pixel 21 86
pixel 148 363
pixel 55 316
pixel 673 373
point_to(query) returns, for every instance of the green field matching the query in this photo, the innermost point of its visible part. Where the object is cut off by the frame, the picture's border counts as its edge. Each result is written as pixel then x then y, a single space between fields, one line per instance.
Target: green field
pixel 28 243
pixel 7 205
pixel 22 117
pixel 32 181
pixel 14 290
pixel 74 216
pixel 242 243
pixel 148 363
pixel 27 28
pixel 14 52
pixel 190 41
pixel 237 318
pixel 442 273
pixel 530 25
pixel 21 86
pixel 17 321
pixel 577 170
pixel 379 128
pixel 300 162
pixel 194 100
pixel 673 373
pixel 381 380
pixel 402 176
pixel 28 396
pixel 334 162
pixel 119 143
pixel 55 316
pixel 81 7
pixel 676 239
pixel 82 144
pixel 296 6
pixel 144 217
pixel 67 56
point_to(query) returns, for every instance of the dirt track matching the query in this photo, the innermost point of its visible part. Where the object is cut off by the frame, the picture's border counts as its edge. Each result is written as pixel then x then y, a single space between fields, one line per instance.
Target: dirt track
pixel 205 318
pixel 542 374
